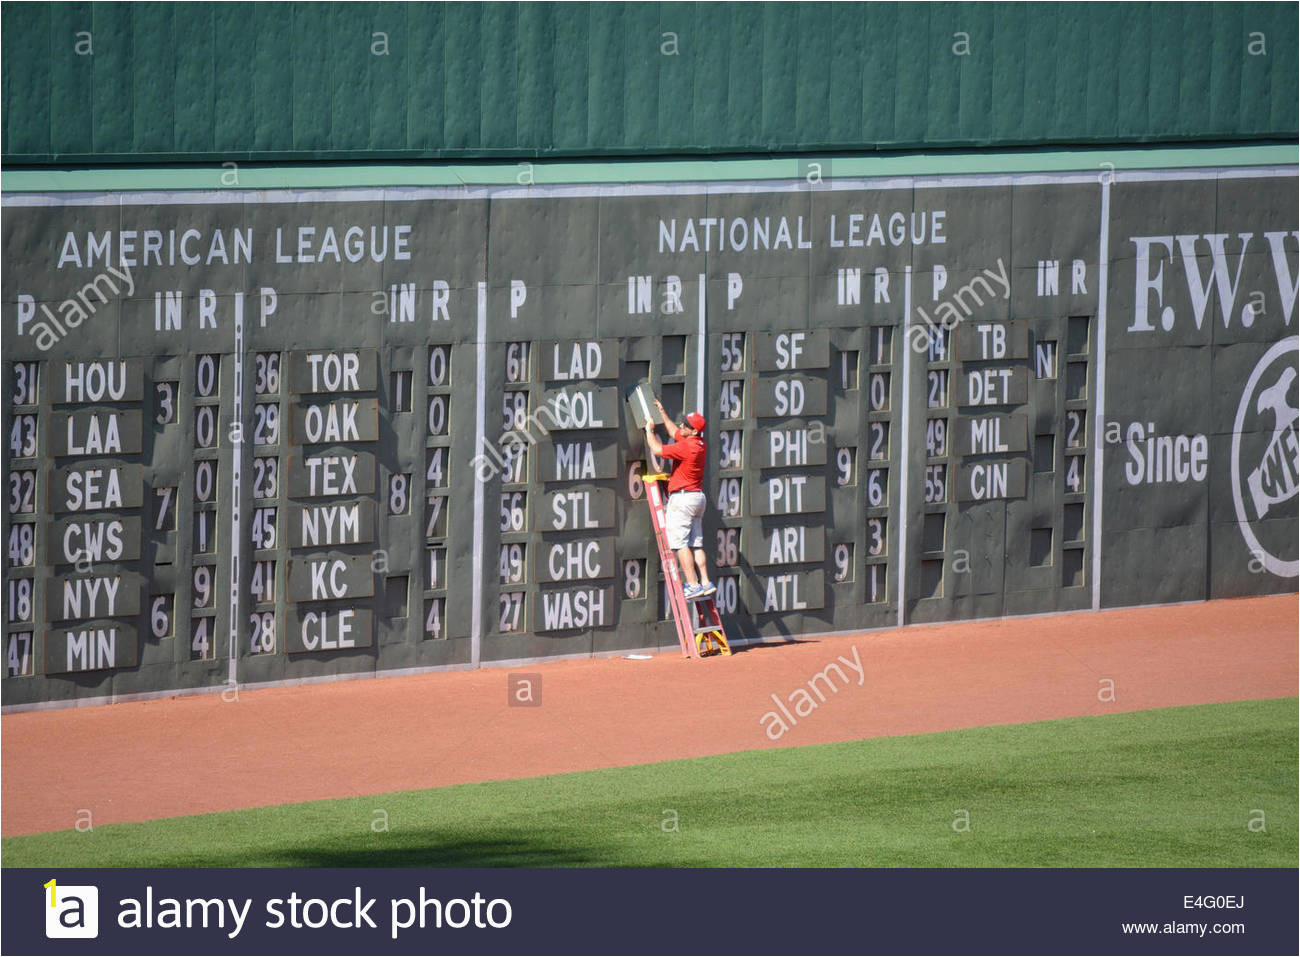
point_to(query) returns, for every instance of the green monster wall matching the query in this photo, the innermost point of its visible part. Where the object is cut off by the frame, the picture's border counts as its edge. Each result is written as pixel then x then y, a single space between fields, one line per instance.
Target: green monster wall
pixel 261 436
pixel 271 418
pixel 230 82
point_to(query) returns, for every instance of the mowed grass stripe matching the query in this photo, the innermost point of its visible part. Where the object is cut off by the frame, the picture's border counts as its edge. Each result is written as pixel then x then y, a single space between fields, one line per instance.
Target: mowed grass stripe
pixel 1175 787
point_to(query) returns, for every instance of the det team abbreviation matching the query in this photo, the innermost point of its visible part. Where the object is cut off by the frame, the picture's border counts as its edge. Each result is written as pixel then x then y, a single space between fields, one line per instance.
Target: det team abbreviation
pixel 419 912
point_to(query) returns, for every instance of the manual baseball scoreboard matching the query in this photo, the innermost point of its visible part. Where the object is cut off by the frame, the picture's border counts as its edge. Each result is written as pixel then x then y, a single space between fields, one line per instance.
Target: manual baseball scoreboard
pixel 270 436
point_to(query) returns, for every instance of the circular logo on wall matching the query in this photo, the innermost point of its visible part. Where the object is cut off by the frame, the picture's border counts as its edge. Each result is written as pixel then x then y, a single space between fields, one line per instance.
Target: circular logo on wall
pixel 1266 459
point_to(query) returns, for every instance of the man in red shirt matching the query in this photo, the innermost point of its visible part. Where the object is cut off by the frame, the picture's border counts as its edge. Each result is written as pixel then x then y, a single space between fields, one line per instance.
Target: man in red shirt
pixel 685 511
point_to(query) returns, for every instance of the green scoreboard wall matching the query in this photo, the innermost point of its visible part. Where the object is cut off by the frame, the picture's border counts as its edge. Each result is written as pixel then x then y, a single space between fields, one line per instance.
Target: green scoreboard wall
pixel 260 436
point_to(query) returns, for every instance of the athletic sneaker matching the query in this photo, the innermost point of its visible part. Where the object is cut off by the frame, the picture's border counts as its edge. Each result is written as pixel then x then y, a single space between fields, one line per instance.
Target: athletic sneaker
pixel 691 592
pixel 707 589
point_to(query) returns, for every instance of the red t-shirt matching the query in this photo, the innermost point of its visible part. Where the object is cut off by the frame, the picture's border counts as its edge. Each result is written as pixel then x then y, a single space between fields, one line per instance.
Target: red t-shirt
pixel 688 452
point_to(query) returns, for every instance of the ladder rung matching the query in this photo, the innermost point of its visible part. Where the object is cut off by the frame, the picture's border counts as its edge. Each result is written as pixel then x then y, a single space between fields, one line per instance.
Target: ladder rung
pixel 706 629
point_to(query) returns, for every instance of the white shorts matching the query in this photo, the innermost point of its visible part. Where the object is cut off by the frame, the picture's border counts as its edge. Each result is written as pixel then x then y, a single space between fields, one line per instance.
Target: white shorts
pixel 684 520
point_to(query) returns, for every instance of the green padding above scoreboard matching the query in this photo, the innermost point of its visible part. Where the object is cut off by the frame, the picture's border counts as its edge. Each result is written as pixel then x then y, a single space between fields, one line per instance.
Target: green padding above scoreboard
pixel 346 81
pixel 1104 161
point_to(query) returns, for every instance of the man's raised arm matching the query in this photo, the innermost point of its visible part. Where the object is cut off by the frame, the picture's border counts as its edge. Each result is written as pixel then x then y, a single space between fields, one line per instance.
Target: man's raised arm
pixel 669 424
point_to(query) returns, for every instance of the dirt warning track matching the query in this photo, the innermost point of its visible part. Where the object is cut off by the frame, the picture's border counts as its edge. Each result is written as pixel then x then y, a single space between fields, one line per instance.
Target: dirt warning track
pixel 144 760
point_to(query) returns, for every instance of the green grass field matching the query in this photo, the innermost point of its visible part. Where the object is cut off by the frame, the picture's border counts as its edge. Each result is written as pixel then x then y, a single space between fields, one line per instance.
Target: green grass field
pixel 1173 787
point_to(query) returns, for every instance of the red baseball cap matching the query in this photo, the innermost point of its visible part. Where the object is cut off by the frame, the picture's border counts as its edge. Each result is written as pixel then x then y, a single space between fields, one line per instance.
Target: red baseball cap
pixel 696 421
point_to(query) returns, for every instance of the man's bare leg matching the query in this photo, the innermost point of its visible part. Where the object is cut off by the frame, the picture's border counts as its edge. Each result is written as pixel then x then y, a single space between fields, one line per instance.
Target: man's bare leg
pixel 687 565
pixel 701 562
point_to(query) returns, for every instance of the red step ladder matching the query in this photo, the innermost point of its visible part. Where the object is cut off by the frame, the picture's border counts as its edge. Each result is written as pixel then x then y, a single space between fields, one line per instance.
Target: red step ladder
pixel 699 626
